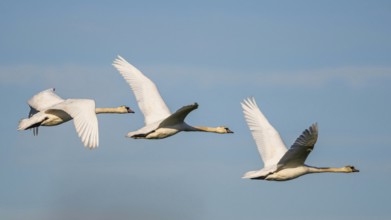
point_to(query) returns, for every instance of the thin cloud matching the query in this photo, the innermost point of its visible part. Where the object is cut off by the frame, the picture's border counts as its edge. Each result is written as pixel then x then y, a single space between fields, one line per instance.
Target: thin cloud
pixel 26 74
pixel 70 81
pixel 78 76
pixel 351 76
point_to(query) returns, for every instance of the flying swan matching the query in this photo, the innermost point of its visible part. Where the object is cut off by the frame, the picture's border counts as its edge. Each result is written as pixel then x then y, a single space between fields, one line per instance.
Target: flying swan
pixel 159 121
pixel 281 164
pixel 48 109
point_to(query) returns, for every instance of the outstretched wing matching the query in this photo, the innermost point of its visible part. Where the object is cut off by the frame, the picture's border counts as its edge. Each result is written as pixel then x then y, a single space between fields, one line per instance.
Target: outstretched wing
pixel 147 95
pixel 44 100
pixel 41 101
pixel 269 143
pixel 86 123
pixel 178 116
pixel 300 150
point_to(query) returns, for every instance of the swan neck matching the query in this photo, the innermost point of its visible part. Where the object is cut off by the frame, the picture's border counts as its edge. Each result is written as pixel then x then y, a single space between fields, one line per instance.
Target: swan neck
pixel 109 110
pixel 327 170
pixel 202 128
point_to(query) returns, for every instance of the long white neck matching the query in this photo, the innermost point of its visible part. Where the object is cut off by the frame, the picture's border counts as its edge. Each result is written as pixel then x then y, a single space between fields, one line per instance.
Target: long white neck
pixel 329 170
pixel 203 128
pixel 117 110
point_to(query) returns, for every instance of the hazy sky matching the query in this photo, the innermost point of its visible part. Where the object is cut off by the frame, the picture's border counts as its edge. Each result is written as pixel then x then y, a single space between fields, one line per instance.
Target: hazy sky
pixel 303 61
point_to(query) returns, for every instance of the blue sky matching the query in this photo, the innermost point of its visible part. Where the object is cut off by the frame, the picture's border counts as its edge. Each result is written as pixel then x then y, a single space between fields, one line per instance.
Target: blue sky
pixel 303 61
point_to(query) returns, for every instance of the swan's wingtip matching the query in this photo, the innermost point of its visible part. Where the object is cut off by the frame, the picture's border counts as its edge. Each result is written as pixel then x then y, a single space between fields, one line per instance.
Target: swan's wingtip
pixel 52 89
pixel 249 102
pixel 91 146
pixel 314 127
pixel 118 60
pixel 249 98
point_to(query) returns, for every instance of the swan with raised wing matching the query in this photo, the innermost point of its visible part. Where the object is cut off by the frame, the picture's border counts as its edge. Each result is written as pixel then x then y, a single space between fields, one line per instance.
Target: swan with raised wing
pixel 159 121
pixel 48 109
pixel 281 164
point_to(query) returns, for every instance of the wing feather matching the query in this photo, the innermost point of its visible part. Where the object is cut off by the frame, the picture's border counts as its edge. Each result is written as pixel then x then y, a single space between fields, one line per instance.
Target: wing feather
pixel 147 95
pixel 268 141
pixel 44 100
pixel 86 123
pixel 178 116
pixel 299 151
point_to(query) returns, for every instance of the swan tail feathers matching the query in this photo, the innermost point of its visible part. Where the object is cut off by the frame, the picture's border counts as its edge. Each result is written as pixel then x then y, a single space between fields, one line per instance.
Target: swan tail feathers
pixel 260 174
pixel 253 175
pixel 34 122
pixel 26 123
pixel 133 135
pixel 136 135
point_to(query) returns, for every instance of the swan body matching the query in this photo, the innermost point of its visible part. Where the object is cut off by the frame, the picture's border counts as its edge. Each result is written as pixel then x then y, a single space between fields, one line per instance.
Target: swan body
pixel 281 164
pixel 48 109
pixel 159 121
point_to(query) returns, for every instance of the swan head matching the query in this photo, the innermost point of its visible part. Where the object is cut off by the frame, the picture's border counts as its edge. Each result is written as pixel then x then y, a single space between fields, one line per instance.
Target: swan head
pixel 351 169
pixel 125 109
pixel 223 130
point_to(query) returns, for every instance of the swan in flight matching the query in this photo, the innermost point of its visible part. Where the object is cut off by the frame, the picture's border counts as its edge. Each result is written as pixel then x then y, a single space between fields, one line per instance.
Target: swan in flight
pixel 159 121
pixel 281 164
pixel 48 109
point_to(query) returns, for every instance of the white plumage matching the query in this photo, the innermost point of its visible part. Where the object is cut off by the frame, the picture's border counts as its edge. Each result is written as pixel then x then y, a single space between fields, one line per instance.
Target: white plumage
pixel 48 109
pixel 280 163
pixel 263 133
pixel 159 121
pixel 147 95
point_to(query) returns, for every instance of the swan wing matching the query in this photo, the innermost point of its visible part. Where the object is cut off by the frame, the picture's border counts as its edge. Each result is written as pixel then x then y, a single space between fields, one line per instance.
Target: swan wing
pixel 178 116
pixel 44 100
pixel 299 151
pixel 41 101
pixel 86 123
pixel 147 95
pixel 268 141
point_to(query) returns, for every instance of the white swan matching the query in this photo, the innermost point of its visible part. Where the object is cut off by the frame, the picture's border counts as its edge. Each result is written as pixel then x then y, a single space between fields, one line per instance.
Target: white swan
pixel 279 163
pixel 159 122
pixel 48 109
